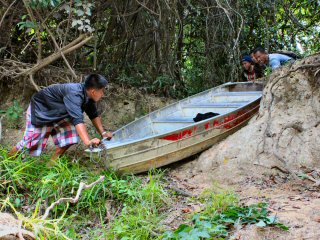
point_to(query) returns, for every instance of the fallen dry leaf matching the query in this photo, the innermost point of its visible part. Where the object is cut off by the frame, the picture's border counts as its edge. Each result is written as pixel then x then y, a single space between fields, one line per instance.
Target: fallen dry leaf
pixel 186 210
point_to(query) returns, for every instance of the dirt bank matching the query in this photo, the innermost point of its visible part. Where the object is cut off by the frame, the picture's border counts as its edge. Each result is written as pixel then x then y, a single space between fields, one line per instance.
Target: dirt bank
pixel 285 135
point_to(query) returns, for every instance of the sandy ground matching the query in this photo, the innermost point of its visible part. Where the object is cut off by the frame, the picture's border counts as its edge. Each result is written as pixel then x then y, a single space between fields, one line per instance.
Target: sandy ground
pixel 295 202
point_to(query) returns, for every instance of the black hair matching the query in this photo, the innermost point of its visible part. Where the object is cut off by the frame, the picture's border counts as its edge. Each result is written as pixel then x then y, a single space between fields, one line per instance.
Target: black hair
pixel 95 81
pixel 259 49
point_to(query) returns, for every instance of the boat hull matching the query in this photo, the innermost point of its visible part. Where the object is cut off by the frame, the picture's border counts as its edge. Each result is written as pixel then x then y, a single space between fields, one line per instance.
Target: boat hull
pixel 161 150
pixel 176 155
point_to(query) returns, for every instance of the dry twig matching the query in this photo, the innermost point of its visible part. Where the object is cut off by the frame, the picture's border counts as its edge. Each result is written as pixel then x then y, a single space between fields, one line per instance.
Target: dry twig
pixel 82 186
pixel 5 13
pixel 281 169
pixel 180 191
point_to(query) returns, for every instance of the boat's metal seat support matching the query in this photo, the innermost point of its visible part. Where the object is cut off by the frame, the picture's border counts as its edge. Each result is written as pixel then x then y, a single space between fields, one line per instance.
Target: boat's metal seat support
pixel 234 97
pixel 187 119
pixel 254 93
pixel 216 105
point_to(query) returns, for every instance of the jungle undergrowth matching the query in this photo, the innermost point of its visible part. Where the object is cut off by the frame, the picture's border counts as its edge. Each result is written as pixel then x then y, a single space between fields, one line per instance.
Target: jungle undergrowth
pixel 121 207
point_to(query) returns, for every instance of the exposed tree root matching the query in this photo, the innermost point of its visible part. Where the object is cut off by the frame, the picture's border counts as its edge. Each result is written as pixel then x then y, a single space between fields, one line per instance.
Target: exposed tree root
pixel 11 69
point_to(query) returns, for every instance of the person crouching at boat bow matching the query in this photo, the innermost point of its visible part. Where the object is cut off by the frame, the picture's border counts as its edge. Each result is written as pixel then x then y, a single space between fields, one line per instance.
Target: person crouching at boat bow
pixel 57 111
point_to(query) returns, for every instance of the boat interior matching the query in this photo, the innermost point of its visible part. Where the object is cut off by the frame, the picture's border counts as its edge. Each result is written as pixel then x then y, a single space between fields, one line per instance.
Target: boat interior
pixel 220 100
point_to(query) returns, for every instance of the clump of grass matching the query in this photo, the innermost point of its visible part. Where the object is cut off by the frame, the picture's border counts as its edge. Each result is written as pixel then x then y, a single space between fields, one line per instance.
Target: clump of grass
pixel 139 222
pixel 62 180
pixel 14 171
pixel 140 215
pixel 216 200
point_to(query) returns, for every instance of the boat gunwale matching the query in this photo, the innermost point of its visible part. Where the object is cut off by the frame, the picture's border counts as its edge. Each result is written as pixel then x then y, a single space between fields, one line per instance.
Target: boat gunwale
pixel 185 99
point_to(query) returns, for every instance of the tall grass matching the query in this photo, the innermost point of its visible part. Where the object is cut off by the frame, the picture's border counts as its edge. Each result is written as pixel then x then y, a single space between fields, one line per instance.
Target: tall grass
pixel 141 214
pixel 28 186
pixel 15 171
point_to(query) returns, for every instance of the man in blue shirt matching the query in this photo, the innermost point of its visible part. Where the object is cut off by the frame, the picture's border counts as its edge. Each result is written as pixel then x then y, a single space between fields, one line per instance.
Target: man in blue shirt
pixel 275 60
pixel 57 111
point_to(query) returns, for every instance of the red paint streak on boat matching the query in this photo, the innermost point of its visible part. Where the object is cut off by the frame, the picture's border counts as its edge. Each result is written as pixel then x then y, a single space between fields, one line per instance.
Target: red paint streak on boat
pixel 177 136
pixel 215 123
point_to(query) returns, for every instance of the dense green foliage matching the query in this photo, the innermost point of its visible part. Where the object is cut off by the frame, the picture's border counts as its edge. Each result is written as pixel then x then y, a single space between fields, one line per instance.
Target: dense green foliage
pixel 174 48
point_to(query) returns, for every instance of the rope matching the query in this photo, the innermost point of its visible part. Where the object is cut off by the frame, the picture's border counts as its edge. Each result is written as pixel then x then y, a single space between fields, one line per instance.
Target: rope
pixel 96 157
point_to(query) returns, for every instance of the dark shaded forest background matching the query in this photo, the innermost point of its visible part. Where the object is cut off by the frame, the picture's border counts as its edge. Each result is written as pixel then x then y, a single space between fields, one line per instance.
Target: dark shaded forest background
pixel 173 48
